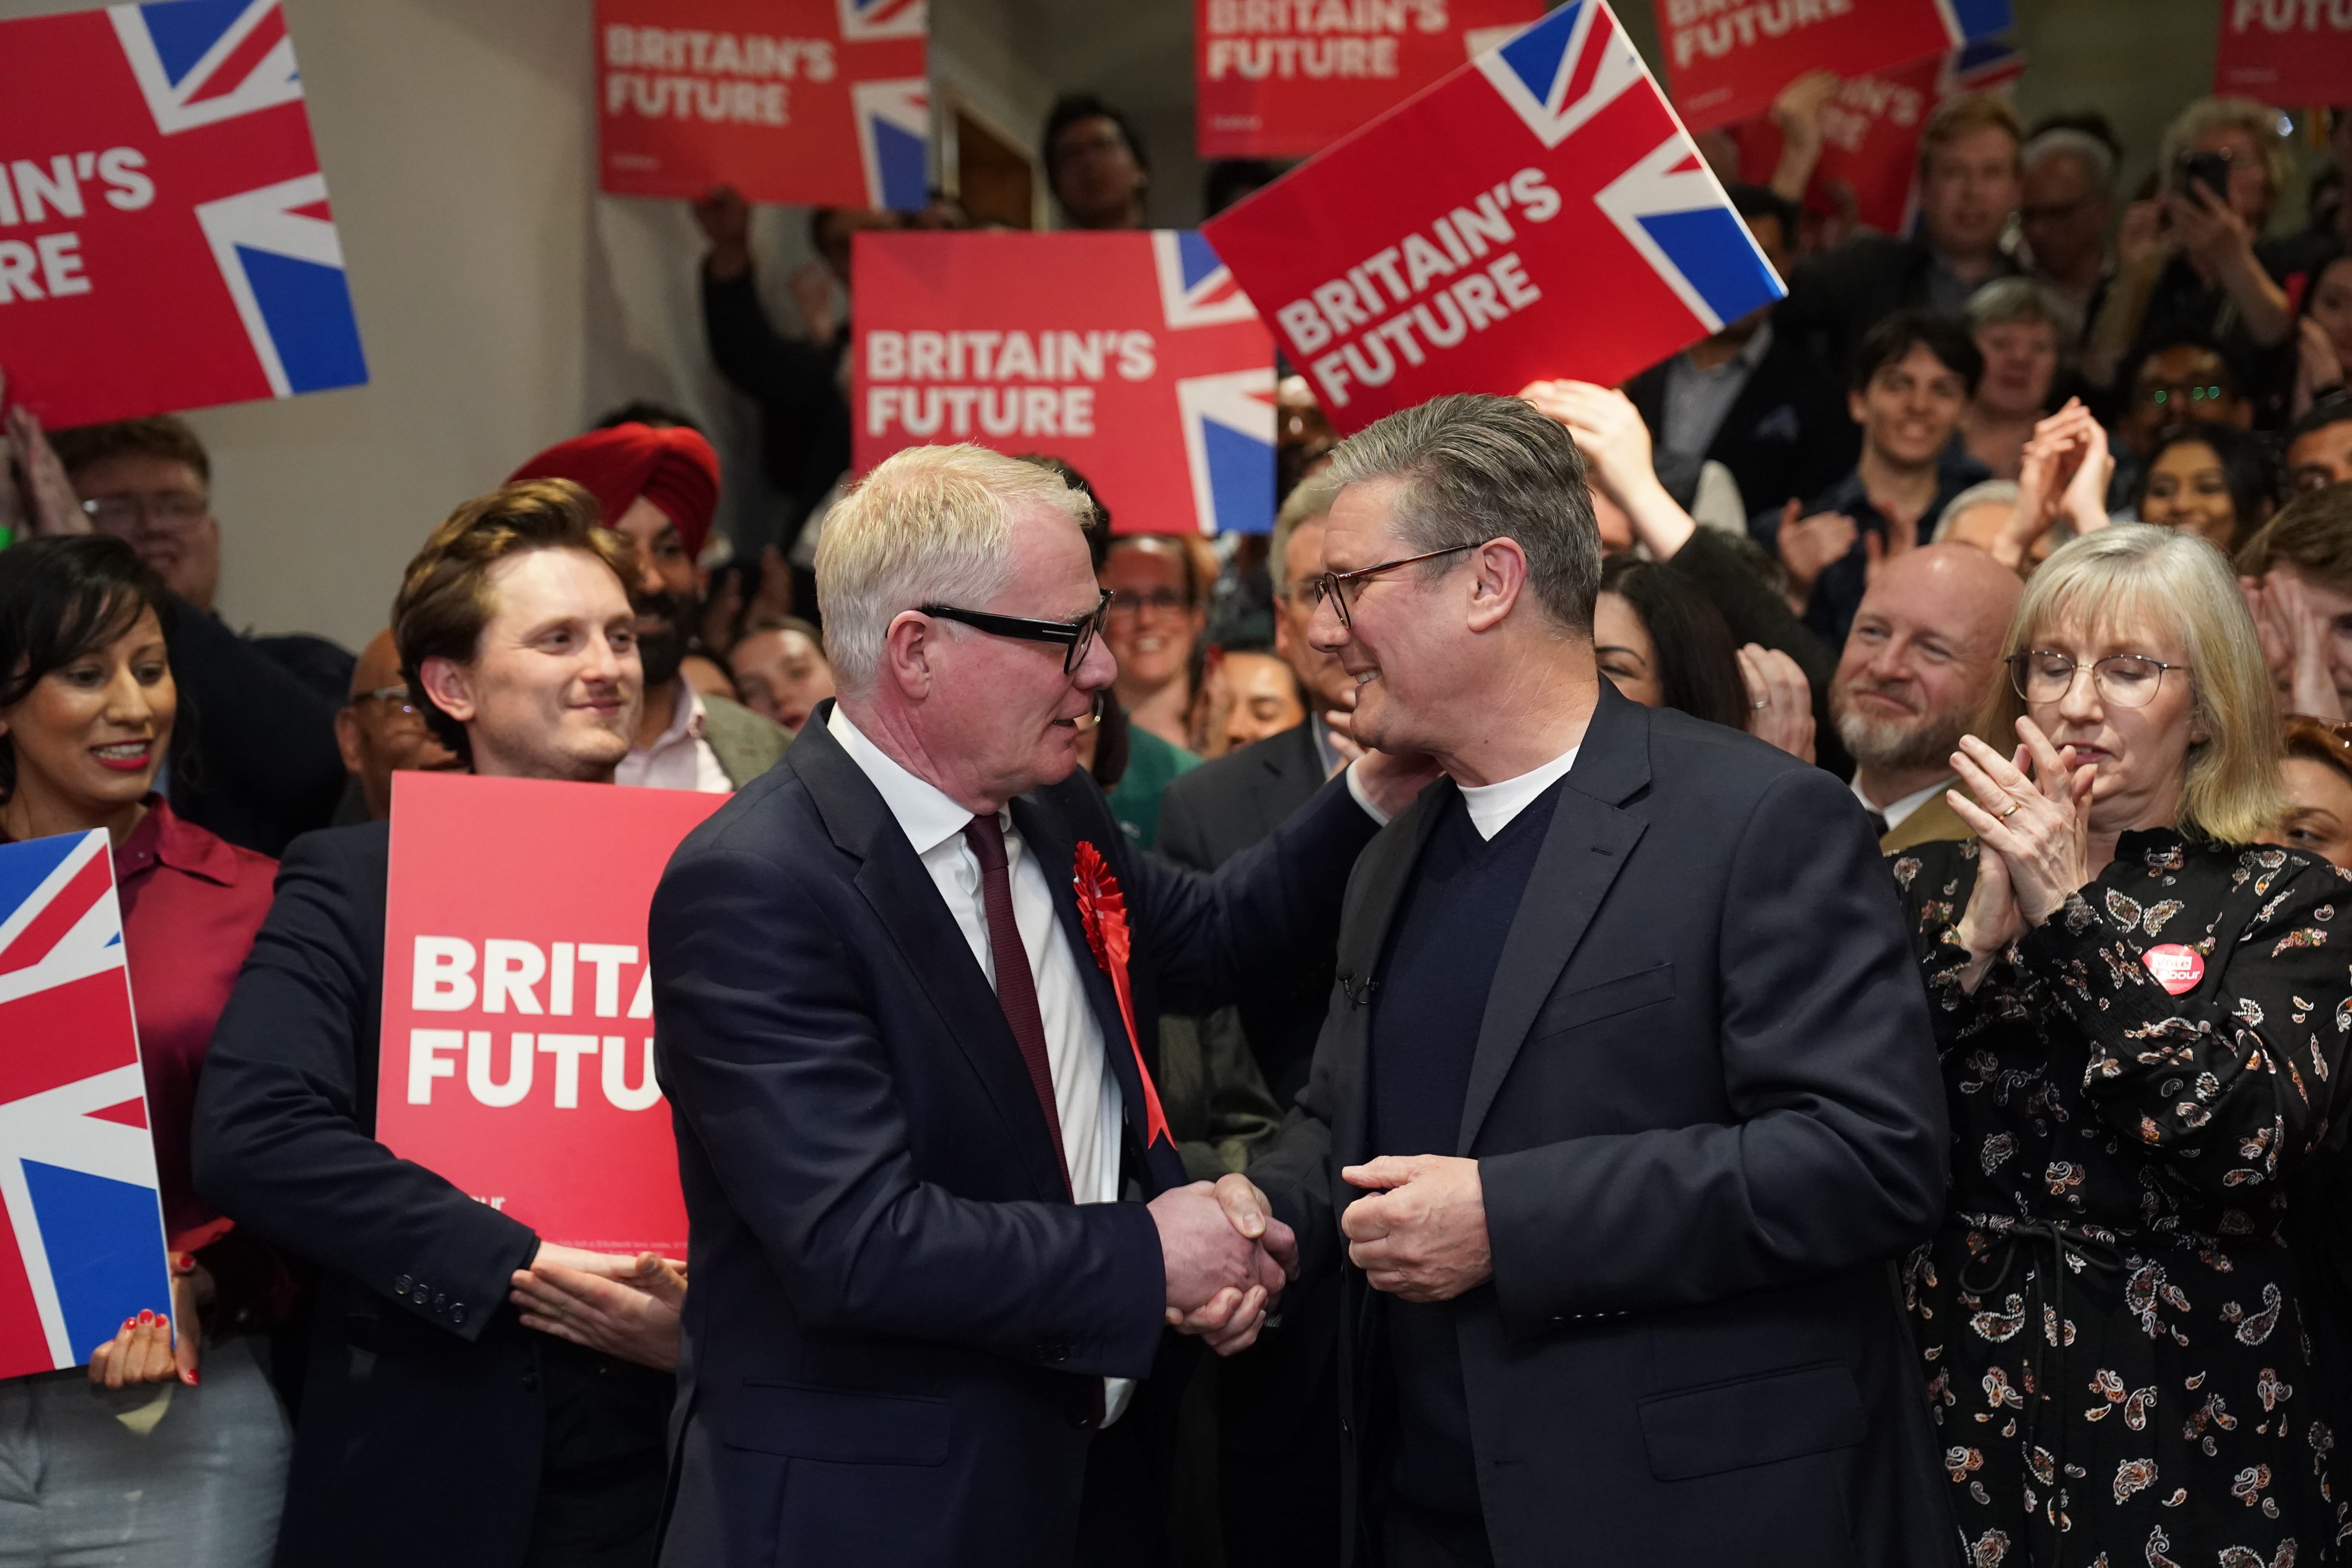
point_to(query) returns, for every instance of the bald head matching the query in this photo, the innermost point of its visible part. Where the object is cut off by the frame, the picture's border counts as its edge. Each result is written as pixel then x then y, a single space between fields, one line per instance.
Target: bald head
pixel 378 666
pixel 379 732
pixel 1922 656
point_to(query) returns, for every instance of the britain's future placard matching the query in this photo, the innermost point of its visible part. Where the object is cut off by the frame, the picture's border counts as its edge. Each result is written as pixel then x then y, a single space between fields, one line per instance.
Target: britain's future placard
pixel 1537 215
pixel 2290 52
pixel 1133 357
pixel 165 240
pixel 83 1246
pixel 1284 78
pixel 811 102
pixel 1727 59
pixel 516 1058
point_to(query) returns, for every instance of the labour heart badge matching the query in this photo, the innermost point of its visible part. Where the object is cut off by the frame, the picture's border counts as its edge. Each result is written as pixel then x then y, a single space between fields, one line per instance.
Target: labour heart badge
pixel 1102 909
pixel 2177 968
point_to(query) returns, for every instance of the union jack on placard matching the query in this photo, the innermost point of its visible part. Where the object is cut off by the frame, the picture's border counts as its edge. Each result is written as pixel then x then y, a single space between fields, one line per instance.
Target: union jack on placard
pixel 201 61
pixel 894 138
pixel 863 19
pixel 1561 72
pixel 1229 430
pixel 1671 208
pixel 85 1247
pixel 1195 286
pixel 283 263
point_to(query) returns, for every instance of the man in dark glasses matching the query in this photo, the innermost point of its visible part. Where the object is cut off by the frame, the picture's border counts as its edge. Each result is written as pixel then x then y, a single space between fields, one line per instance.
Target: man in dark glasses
pixel 909 985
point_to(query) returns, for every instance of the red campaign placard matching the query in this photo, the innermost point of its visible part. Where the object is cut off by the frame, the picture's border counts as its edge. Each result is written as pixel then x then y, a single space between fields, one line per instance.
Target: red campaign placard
pixel 1286 78
pixel 2285 51
pixel 807 102
pixel 1727 59
pixel 517 1058
pixel 1871 132
pixel 1539 214
pixel 1133 357
pixel 165 240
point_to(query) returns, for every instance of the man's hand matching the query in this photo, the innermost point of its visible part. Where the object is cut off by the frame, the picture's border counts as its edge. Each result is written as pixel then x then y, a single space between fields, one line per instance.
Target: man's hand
pixel 1390 782
pixel 1220 1279
pixel 1797 112
pixel 1780 700
pixel 1422 1236
pixel 621 1306
pixel 727 222
pixel 1810 545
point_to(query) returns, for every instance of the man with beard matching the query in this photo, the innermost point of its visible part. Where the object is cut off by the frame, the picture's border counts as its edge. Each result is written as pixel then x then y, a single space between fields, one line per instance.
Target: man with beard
pixel 1925 646
pixel 659 488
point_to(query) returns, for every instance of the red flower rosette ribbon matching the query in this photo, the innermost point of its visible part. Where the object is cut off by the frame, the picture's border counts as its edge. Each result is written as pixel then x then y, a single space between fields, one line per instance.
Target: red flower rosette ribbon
pixel 1102 909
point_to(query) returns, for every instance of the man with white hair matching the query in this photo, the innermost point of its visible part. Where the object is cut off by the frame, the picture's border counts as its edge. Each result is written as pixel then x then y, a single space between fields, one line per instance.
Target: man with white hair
pixel 908 987
pixel 2067 211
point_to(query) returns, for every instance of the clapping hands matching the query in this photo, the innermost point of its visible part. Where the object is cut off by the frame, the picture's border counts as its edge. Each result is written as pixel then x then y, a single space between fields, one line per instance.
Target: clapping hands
pixel 2033 835
pixel 1226 1258
pixel 2063 478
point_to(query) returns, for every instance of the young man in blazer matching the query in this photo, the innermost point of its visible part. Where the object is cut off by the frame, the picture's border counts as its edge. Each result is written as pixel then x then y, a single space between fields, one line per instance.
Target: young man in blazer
pixel 908 987
pixel 442 1420
pixel 1628 1099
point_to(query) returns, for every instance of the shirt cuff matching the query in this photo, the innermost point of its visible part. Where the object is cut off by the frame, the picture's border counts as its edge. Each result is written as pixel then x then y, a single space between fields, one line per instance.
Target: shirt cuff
pixel 1356 788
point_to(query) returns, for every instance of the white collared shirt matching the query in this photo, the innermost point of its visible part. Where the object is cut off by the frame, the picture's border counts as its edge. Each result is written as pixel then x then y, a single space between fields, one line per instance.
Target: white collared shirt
pixel 1896 811
pixel 679 757
pixel 1086 1096
pixel 1492 807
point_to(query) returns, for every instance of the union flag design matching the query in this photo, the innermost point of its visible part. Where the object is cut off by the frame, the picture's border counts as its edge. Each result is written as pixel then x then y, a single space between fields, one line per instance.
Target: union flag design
pixel 85 1245
pixel 173 197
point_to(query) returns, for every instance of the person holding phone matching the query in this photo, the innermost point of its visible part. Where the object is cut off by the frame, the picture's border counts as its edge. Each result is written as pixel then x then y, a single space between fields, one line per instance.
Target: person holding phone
pixel 2193 258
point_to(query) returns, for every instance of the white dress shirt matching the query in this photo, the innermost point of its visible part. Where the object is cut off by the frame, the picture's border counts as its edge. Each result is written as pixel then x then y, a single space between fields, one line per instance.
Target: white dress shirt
pixel 1087 1094
pixel 1896 811
pixel 679 757
pixel 1493 805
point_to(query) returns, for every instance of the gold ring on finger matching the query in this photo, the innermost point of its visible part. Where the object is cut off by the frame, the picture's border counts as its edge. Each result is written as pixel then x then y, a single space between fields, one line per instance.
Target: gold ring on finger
pixel 2014 808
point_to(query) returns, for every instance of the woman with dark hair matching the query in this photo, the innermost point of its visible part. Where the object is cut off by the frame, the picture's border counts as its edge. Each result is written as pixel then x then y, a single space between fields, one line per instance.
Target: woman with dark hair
pixel 2323 330
pixel 148 1463
pixel 2211 479
pixel 1665 642
pixel 2317 769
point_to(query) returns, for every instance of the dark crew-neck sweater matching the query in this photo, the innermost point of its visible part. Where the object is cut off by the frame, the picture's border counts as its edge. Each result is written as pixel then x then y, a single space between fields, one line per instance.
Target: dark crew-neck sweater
pixel 1433 984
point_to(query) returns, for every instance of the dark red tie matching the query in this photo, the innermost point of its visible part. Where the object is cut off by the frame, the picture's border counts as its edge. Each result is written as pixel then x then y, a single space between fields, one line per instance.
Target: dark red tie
pixel 1016 988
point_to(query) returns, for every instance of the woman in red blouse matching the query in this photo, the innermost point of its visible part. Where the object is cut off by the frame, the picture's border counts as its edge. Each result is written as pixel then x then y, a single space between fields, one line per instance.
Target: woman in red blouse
pixel 167 1452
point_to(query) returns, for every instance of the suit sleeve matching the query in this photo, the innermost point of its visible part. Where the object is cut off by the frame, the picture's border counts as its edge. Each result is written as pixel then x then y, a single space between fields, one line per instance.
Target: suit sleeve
pixel 1836 1153
pixel 788 377
pixel 769 1054
pixel 277 1141
pixel 1267 913
pixel 263 738
pixel 1183 835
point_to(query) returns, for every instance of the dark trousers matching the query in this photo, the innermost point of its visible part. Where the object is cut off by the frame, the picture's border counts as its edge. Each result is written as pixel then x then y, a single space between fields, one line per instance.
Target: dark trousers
pixel 602 1475
pixel 1122 1522
pixel 1416 1538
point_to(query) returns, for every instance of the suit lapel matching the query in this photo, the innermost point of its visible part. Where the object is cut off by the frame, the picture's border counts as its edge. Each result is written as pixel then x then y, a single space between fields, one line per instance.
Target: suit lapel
pixel 896 885
pixel 1382 875
pixel 1592 833
pixel 1042 831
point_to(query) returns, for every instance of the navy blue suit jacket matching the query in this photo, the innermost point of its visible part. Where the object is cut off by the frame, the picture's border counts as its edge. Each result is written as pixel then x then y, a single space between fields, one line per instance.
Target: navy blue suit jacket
pixel 1706 1113
pixel 897 1317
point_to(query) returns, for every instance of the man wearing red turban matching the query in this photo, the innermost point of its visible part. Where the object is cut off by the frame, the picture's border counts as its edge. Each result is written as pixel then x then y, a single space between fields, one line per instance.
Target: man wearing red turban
pixel 660 486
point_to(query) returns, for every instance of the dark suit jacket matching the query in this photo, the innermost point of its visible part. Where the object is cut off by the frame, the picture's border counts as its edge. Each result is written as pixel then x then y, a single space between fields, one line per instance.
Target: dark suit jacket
pixel 898 1316
pixel 419 1437
pixel 255 759
pixel 1706 1114
pixel 1787 435
pixel 1212 814
pixel 804 415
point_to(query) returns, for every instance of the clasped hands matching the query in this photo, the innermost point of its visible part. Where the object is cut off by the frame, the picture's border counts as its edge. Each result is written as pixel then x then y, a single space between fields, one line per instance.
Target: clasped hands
pixel 1226 1260
pixel 2032 833
pixel 626 1307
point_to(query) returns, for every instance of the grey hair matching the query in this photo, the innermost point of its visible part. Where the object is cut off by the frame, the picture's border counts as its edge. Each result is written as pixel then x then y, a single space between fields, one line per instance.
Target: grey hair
pixel 928 525
pixel 2258 121
pixel 2098 160
pixel 1476 468
pixel 2007 299
pixel 1991 492
pixel 1310 501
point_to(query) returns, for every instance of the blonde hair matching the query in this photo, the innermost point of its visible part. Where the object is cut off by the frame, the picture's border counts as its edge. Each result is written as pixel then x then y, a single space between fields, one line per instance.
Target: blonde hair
pixel 929 525
pixel 1971 111
pixel 2243 114
pixel 2132 575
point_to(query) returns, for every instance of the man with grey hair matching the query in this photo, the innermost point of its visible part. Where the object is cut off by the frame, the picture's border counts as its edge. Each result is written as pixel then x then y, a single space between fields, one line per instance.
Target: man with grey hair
pixel 908 988
pixel 1628 1098
pixel 2066 211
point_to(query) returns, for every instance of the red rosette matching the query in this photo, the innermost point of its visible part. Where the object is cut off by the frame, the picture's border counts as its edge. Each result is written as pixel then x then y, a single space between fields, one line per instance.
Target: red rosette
pixel 1102 909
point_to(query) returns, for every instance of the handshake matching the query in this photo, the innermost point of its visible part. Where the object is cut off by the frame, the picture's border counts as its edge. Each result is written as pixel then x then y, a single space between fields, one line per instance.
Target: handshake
pixel 1226 1258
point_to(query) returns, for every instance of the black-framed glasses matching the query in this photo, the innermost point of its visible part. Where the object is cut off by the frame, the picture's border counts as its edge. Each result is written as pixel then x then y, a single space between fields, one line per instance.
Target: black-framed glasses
pixel 2122 679
pixel 1341 589
pixel 1078 635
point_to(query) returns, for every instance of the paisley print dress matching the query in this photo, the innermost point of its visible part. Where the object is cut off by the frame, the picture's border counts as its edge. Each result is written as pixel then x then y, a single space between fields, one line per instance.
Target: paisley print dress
pixel 2115 1347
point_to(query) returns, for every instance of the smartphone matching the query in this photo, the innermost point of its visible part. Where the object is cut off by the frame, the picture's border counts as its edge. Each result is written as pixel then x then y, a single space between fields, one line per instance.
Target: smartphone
pixel 2210 170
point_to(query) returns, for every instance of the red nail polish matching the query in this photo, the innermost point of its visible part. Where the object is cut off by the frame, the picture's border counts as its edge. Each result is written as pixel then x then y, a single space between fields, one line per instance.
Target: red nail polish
pixel 191 1375
pixel 145 1315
